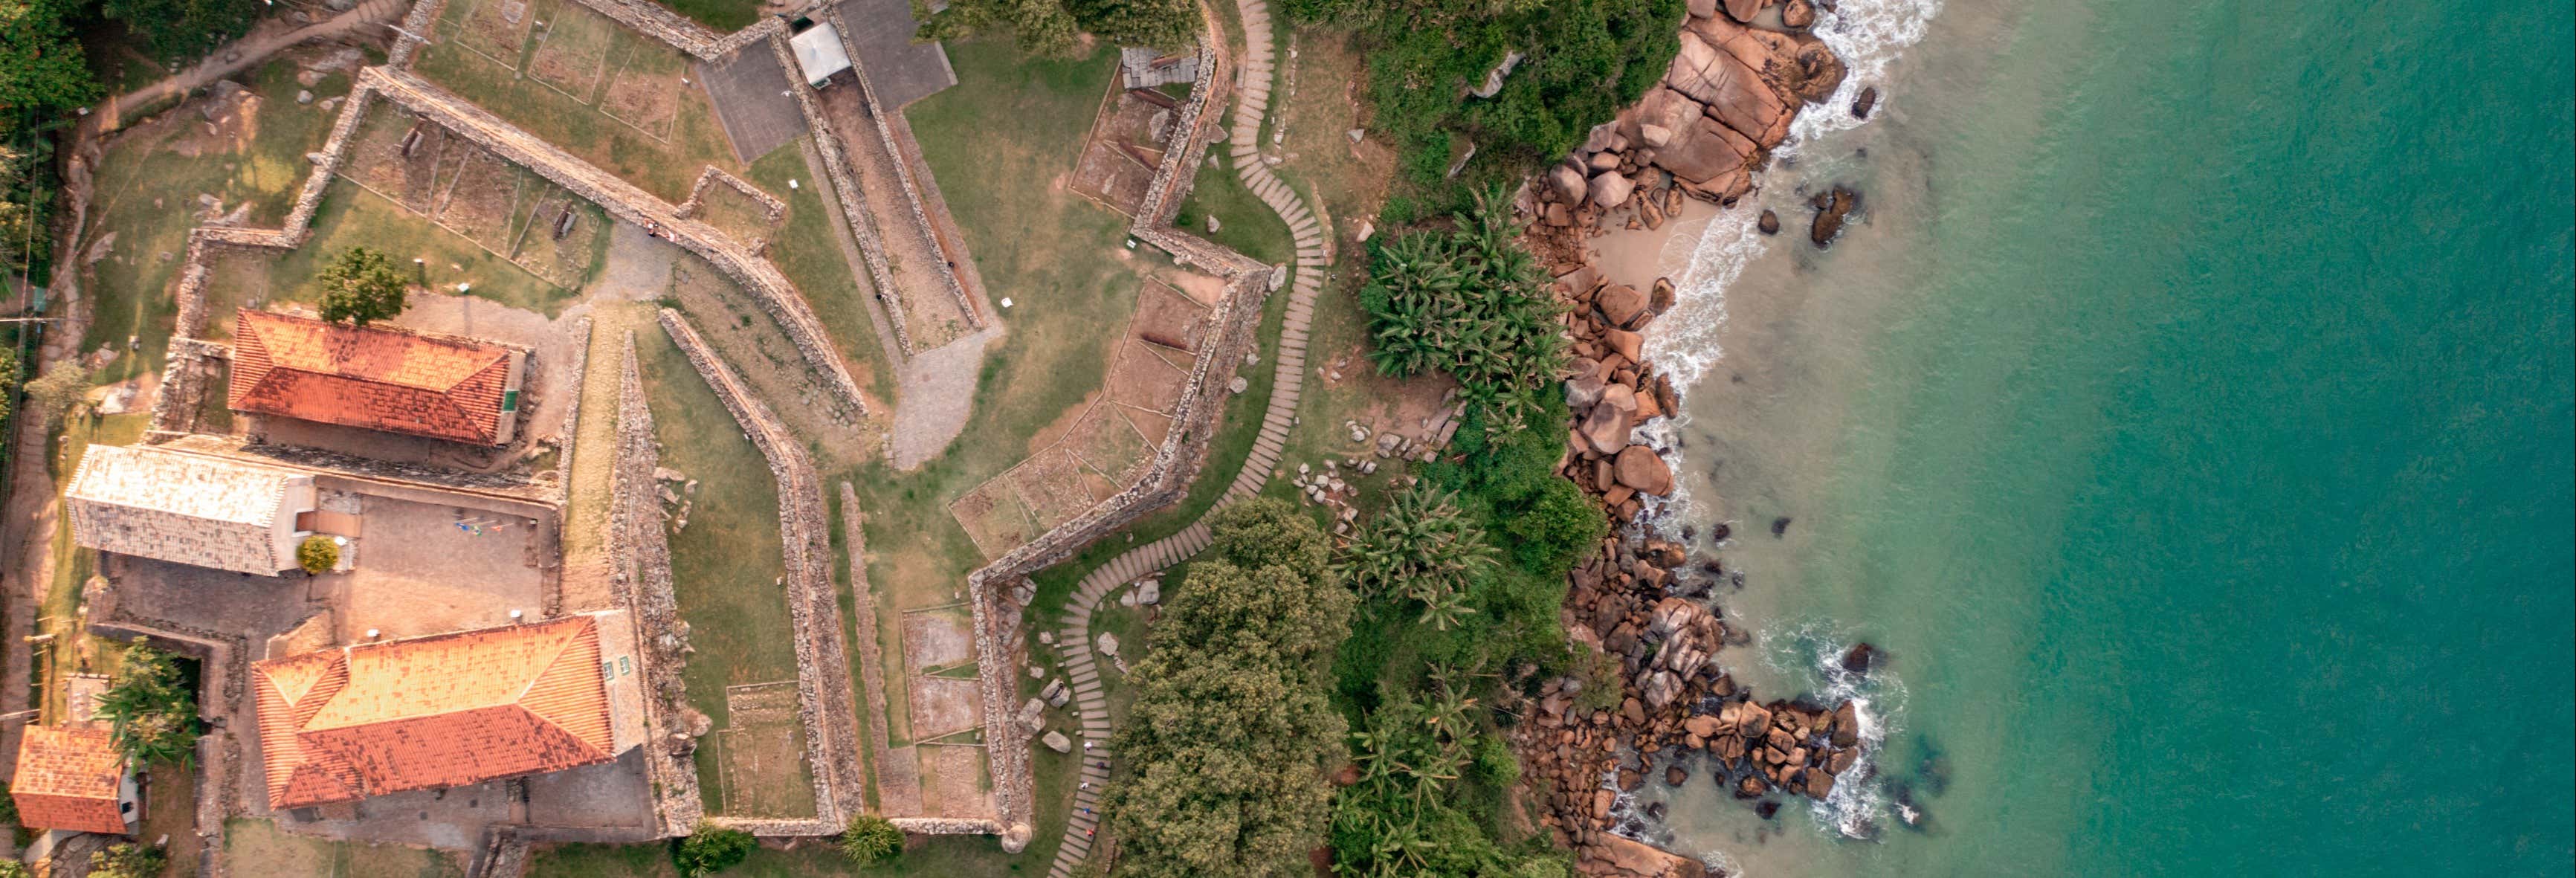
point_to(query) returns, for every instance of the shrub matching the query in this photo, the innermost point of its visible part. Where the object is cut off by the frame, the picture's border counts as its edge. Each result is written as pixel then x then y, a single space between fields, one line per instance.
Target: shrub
pixel 129 861
pixel 1469 302
pixel 1424 548
pixel 8 807
pixel 54 394
pixel 710 850
pixel 871 839
pixel 318 554
pixel 361 285
pixel 151 714
pixel 13 869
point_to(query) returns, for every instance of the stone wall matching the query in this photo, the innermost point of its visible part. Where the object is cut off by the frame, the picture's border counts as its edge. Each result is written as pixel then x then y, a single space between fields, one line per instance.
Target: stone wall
pixel 659 22
pixel 580 372
pixel 871 653
pixel 641 550
pixel 845 189
pixel 824 701
pixel 624 201
pixel 878 113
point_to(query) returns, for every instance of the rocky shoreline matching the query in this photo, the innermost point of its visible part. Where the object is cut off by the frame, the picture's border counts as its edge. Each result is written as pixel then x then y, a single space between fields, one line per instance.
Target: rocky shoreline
pixel 1743 73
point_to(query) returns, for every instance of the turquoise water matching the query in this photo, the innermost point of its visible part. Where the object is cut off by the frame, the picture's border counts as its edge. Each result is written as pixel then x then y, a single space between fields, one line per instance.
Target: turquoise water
pixel 2191 419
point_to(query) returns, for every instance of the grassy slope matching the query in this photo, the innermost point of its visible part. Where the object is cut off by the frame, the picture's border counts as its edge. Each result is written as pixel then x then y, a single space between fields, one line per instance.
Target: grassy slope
pixel 807 251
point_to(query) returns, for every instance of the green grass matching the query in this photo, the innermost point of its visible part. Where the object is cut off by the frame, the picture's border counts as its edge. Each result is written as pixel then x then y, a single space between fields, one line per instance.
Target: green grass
pixel 807 249
pixel 1243 222
pixel 663 166
pixel 58 611
pixel 738 625
pixel 146 194
pixel 351 216
pixel 723 15
pixel 260 847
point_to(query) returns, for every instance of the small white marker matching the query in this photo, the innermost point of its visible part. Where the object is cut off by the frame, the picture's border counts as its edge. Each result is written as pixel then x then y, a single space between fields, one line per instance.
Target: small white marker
pixel 1006 301
pixel 791 183
pixel 464 288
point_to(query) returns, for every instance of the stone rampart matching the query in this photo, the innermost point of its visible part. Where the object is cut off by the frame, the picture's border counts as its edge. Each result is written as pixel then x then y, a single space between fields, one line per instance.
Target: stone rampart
pixel 626 202
pixel 878 115
pixel 824 700
pixel 580 372
pixel 641 549
pixel 845 192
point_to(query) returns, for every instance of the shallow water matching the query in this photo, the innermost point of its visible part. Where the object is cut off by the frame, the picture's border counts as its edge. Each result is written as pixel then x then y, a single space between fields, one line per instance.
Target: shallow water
pixel 2189 415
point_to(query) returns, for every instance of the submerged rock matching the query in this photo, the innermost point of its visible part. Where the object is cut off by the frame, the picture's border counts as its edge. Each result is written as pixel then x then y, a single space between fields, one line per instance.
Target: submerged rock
pixel 1770 222
pixel 1831 210
pixel 1867 100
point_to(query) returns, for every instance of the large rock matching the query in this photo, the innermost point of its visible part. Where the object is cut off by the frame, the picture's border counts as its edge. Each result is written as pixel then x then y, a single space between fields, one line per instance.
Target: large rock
pixel 1611 189
pixel 1744 10
pixel 1831 209
pixel 1057 742
pixel 1732 90
pixel 1108 644
pixel 1621 305
pixel 1799 14
pixel 1640 859
pixel 1710 151
pixel 1568 184
pixel 1583 391
pixel 1639 467
pixel 1605 430
pixel 1660 689
pixel 1704 725
pixel 1627 344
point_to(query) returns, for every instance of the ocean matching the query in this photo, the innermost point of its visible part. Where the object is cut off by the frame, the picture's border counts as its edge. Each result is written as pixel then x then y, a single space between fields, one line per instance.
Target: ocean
pixel 2187 415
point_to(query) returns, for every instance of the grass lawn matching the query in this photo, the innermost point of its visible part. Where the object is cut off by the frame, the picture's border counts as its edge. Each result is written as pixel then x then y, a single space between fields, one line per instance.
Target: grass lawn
pixel 261 844
pixel 664 163
pixel 146 190
pixel 807 249
pixel 351 216
pixel 723 15
pixel 1243 222
pixel 738 626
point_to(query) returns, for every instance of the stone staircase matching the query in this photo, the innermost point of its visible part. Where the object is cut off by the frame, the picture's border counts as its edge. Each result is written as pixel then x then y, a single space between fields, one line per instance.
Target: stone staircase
pixel 1074 640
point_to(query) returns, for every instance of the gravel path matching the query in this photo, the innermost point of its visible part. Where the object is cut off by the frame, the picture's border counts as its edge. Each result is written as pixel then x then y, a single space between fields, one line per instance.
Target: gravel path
pixel 1074 641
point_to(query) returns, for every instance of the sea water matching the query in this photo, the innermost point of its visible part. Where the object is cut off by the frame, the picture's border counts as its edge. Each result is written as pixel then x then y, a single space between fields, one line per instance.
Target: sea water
pixel 2188 416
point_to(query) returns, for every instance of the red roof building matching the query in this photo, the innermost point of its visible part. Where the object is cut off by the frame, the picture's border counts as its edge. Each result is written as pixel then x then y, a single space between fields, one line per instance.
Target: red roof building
pixel 395 380
pixel 432 712
pixel 72 778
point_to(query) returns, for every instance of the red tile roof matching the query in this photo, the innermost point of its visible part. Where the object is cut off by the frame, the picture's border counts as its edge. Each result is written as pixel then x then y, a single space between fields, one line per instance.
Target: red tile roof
pixel 433 712
pixel 68 779
pixel 394 380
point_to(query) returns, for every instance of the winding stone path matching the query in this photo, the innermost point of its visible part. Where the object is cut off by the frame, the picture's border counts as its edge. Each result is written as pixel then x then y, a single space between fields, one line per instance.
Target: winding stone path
pixel 1074 640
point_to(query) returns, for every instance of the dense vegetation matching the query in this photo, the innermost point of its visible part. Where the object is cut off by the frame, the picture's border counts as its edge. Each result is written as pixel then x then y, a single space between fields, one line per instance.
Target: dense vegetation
pixel 177 30
pixel 1055 27
pixel 361 286
pixel 869 840
pixel 129 860
pixel 1468 301
pixel 1232 734
pixel 1584 59
pixel 151 715
pixel 711 849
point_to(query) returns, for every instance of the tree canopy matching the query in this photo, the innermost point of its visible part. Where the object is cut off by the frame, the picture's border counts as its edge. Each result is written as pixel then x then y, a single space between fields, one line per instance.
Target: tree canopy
pixel 1469 301
pixel 1232 733
pixel 360 286
pixel 1055 27
pixel 173 30
pixel 151 714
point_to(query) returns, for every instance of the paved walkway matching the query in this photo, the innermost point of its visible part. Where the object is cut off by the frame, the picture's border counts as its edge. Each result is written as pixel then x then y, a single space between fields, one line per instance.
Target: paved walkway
pixel 1074 641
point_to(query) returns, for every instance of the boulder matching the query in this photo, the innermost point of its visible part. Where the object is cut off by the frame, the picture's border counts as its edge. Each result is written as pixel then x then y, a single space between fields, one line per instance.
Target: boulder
pixel 1744 10
pixel 1057 742
pixel 1754 722
pixel 1832 208
pixel 1732 89
pixel 1820 785
pixel 1846 726
pixel 1633 711
pixel 1867 101
pixel 1770 222
pixel 1660 688
pixel 1621 855
pixel 1567 184
pixel 1704 725
pixel 1582 391
pixel 1639 467
pixel 1149 593
pixel 1558 216
pixel 1108 644
pixel 1702 8
pixel 1859 659
pixel 1842 760
pixel 1626 344
pixel 1601 801
pixel 1602 161
pixel 1605 430
pixel 1621 397
pixel 1799 14
pixel 1750 787
pixel 1621 305
pixel 1704 151
pixel 1654 135
pixel 1611 189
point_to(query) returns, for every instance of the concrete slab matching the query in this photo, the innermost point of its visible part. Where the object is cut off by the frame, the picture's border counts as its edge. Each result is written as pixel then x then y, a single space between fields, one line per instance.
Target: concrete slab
pixel 901 70
pixel 750 94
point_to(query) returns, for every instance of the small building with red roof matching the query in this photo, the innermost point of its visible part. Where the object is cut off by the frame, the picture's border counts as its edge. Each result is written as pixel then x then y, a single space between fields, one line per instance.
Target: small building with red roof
pixel 73 778
pixel 380 378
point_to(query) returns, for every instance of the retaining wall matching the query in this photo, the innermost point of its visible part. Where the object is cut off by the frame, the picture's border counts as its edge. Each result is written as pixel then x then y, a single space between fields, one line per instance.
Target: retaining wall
pixel 845 191
pixel 878 113
pixel 641 550
pixel 822 662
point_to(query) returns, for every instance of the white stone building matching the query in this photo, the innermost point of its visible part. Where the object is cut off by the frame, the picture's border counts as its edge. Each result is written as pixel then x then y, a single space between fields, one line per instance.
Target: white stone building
pixel 185 508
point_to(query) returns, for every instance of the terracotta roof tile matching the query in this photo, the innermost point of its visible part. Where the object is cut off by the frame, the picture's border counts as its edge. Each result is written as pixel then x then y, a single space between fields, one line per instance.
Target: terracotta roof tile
pixel 433 712
pixel 68 778
pixel 394 380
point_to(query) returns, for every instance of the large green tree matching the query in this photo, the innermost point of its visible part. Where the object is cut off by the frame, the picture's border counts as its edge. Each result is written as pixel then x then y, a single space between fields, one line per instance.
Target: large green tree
pixel 173 30
pixel 1469 301
pixel 361 286
pixel 1232 733
pixel 42 73
pixel 151 714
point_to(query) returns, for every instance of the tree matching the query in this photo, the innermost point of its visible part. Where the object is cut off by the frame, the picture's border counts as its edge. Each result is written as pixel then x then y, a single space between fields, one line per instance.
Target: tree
pixel 1469 301
pixel 55 393
pixel 1231 731
pixel 152 715
pixel 42 73
pixel 711 849
pixel 1424 548
pixel 8 382
pixel 871 839
pixel 1055 27
pixel 318 554
pixel 129 860
pixel 13 869
pixel 172 30
pixel 361 286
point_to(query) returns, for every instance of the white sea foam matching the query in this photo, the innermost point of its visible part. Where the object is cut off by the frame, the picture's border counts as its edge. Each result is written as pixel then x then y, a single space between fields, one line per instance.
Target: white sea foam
pixel 1811 652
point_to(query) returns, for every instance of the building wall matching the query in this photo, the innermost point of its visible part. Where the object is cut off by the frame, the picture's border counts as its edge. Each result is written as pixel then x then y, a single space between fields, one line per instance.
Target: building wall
pixel 515 383
pixel 299 497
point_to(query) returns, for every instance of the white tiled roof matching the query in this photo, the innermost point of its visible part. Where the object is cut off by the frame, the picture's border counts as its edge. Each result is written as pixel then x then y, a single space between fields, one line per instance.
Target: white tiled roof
pixel 185 508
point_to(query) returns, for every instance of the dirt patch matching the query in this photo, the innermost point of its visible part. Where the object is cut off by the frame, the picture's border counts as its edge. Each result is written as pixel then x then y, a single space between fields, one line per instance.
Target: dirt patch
pixel 567 259
pixel 958 784
pixel 995 518
pixel 1124 149
pixel 228 126
pixel 1057 486
pixel 1202 288
pixel 645 90
pixel 378 159
pixel 1166 317
pixel 482 199
pixel 762 750
pixel 572 56
pixel 943 706
pixel 495 29
pixel 1111 447
pixel 937 639
pixel 738 215
pixel 1143 380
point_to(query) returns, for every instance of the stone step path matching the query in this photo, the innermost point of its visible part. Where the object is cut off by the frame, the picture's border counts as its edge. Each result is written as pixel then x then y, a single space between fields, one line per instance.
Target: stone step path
pixel 1074 640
